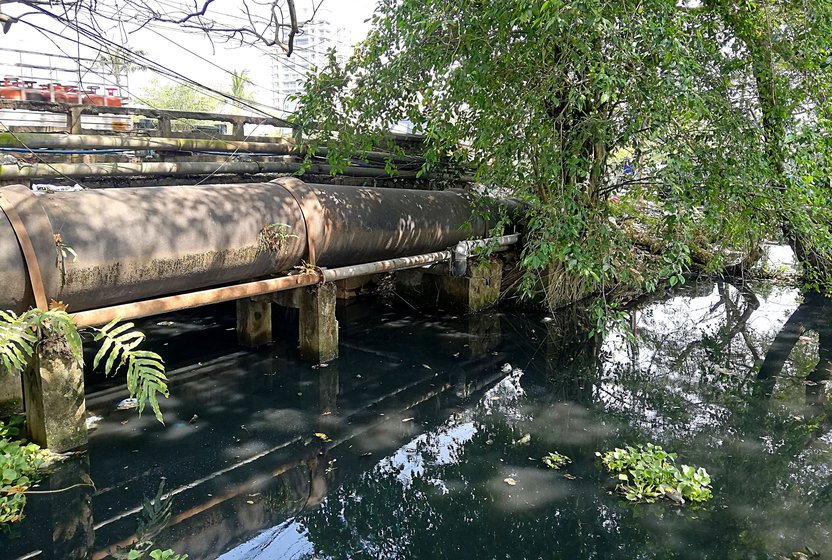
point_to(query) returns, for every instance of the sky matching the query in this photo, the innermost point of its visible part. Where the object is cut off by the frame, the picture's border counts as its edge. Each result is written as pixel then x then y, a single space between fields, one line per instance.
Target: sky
pixel 205 63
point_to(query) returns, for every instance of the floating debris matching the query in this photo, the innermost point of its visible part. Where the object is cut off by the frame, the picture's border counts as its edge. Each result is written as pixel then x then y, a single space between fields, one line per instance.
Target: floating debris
pixel 525 440
pixel 92 422
pixel 556 460
pixel 128 404
pixel 510 481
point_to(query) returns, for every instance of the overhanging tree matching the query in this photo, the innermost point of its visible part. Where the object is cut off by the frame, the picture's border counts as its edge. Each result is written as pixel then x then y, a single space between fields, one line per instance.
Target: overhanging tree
pixel 783 48
pixel 547 100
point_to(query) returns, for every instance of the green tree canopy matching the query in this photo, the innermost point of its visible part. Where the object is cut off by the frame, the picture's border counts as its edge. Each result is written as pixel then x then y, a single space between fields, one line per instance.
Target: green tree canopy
pixel 548 100
pixel 177 97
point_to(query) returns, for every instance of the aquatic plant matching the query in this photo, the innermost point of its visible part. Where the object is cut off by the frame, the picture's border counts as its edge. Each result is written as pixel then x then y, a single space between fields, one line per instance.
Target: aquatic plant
pixel 648 473
pixel 555 460
pixel 19 465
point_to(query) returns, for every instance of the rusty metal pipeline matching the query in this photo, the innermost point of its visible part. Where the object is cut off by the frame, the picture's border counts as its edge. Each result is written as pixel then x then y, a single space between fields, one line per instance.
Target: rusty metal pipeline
pixel 143 243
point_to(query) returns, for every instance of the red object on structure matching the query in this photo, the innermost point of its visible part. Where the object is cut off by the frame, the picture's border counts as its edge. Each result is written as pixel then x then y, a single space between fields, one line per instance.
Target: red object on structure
pixel 15 89
pixel 30 92
pixel 72 95
pixel 90 97
pixel 56 93
pixel 112 100
pixel 11 89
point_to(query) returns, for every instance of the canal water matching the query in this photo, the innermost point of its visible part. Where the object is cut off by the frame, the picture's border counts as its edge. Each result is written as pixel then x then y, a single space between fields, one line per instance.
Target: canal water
pixel 402 448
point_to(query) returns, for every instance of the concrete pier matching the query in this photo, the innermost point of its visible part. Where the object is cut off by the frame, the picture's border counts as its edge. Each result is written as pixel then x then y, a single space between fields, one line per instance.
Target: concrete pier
pixel 11 393
pixel 254 322
pixel 479 289
pixel 318 327
pixel 53 397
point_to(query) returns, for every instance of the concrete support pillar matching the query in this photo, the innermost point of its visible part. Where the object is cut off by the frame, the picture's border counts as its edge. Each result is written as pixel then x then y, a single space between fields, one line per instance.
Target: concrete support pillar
pixel 11 393
pixel 318 330
pixel 53 397
pixel 254 322
pixel 479 289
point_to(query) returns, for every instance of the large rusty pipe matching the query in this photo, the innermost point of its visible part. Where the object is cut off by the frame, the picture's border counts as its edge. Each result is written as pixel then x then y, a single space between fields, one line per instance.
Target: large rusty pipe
pixel 144 243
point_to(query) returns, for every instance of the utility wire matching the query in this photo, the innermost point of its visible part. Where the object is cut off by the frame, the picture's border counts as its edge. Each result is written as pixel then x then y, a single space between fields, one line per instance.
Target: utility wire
pixel 184 81
pixel 135 57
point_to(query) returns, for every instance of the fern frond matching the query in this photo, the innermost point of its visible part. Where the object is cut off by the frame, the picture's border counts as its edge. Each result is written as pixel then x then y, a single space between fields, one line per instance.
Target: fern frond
pixel 56 321
pixel 17 342
pixel 146 378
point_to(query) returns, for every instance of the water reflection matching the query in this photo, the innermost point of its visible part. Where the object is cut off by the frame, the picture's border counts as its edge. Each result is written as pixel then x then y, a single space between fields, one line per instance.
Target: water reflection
pixel 689 379
pixel 420 424
pixel 255 438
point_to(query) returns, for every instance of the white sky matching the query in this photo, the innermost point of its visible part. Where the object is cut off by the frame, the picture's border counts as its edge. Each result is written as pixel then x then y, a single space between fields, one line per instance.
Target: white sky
pixel 162 44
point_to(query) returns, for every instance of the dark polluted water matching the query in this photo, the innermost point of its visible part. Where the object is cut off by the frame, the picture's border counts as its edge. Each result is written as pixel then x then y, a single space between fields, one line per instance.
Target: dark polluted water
pixel 402 448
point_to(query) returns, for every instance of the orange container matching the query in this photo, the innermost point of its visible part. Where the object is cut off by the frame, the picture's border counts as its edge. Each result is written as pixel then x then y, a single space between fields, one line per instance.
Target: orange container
pixel 54 93
pixel 13 93
pixel 112 100
pixel 90 97
pixel 72 95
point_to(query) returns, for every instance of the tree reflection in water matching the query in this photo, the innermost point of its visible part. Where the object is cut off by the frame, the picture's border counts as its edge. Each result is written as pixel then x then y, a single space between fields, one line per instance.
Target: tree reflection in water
pixel 722 374
pixel 730 377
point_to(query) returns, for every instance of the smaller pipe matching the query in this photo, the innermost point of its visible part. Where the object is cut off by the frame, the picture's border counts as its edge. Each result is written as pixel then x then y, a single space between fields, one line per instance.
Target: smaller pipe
pixel 190 300
pixel 61 152
pixel 402 263
pixel 44 140
pixel 502 241
pixel 64 170
pixel 462 250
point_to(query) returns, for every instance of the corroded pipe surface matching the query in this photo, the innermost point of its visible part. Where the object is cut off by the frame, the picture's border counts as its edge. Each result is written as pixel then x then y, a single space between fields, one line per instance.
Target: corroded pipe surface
pixel 135 244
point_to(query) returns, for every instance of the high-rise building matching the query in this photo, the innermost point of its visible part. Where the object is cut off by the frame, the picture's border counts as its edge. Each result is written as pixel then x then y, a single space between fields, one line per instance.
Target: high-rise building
pixel 310 51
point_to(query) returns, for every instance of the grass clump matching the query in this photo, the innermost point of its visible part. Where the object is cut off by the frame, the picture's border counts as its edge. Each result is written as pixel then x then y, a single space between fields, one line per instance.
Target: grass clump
pixel 647 473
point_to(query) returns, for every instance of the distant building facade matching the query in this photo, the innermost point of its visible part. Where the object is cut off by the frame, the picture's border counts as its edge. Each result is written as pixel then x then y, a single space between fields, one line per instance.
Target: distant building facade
pixel 310 51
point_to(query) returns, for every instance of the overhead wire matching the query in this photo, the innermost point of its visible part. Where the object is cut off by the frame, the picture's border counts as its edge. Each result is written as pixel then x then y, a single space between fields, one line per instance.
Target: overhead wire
pixel 186 83
pixel 132 56
pixel 211 136
pixel 128 54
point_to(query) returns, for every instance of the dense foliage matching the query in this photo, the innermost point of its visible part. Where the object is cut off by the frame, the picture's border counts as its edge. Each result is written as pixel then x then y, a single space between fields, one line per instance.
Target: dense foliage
pixel 705 120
